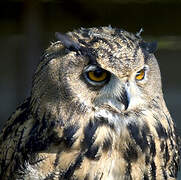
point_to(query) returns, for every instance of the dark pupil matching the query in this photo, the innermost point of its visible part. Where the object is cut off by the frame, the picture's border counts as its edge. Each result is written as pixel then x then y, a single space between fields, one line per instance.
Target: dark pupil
pixel 98 72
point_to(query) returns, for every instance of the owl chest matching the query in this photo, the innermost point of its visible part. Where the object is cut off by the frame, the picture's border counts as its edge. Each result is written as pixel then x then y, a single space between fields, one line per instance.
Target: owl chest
pixel 99 154
pixel 96 162
pixel 71 166
pixel 76 165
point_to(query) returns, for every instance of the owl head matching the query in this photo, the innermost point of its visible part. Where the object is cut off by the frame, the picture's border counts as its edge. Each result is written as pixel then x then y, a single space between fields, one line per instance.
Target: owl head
pixel 97 67
pixel 98 97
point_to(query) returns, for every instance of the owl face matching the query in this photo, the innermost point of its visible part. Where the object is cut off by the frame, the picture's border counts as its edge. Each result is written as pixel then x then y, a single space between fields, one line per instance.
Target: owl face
pixel 101 67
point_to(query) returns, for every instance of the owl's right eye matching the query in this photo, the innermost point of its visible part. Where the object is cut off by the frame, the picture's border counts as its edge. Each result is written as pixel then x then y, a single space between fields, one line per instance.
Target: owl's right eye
pixel 96 76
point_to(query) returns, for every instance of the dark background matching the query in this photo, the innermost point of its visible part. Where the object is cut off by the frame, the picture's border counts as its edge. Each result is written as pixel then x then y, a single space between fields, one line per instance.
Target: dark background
pixel 27 28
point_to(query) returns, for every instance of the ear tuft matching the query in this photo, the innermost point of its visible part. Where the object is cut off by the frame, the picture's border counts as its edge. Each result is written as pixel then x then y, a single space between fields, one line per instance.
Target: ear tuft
pixel 138 34
pixel 67 42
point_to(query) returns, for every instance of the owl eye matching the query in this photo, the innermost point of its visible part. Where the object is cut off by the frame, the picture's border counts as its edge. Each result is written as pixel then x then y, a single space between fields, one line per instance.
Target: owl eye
pixel 140 75
pixel 96 75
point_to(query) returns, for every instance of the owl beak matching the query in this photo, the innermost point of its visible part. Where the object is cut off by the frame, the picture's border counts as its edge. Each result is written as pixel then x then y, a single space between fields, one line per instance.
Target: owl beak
pixel 131 96
pixel 125 99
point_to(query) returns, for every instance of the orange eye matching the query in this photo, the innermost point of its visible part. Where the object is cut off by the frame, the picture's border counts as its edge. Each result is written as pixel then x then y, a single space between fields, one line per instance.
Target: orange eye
pixel 140 75
pixel 97 75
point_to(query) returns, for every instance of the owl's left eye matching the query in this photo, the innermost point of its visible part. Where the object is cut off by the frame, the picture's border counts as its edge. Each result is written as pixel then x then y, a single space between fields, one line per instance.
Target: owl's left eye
pixel 140 75
pixel 96 76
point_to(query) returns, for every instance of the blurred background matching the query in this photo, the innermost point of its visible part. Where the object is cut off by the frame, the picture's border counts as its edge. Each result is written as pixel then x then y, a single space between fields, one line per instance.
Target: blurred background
pixel 27 28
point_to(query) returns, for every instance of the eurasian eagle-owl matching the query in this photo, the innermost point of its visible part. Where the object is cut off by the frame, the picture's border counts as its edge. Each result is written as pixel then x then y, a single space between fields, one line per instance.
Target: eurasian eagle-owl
pixel 96 112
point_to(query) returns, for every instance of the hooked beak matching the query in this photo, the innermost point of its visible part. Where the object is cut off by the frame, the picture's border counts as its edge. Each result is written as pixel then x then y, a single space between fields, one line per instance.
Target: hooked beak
pixel 125 98
pixel 120 96
pixel 131 96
